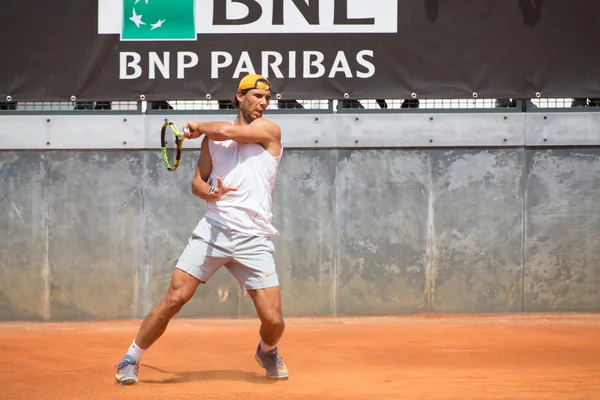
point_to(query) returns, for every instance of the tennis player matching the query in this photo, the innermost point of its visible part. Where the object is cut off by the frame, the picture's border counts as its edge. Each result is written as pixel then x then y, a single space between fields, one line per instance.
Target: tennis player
pixel 235 174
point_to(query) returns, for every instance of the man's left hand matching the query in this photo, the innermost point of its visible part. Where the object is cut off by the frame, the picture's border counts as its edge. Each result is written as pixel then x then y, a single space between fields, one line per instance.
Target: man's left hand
pixel 191 130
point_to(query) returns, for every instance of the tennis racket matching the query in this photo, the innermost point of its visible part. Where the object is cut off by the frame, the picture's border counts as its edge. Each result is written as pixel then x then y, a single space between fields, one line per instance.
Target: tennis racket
pixel 171 142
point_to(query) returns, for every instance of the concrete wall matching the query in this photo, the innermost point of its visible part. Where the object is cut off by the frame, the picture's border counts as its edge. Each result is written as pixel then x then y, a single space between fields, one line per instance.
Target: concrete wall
pixel 94 234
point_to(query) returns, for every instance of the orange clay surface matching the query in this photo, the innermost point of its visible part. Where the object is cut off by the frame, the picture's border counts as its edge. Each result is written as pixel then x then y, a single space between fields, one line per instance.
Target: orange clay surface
pixel 414 357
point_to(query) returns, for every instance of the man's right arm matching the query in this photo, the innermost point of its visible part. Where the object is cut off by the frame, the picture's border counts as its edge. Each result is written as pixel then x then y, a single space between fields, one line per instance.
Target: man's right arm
pixel 200 184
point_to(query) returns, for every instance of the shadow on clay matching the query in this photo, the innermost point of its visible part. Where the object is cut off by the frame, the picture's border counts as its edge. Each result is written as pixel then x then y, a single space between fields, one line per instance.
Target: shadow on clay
pixel 215 375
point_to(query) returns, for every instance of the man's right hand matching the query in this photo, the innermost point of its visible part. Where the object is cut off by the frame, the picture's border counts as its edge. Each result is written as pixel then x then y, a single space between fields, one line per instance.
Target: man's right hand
pixel 219 191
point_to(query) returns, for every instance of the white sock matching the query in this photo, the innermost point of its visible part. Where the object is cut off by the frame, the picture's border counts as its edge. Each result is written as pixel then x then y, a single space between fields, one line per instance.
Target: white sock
pixel 265 347
pixel 135 351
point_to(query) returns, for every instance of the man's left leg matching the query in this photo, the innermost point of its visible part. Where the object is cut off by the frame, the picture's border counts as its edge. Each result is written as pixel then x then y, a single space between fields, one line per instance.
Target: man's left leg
pixel 267 302
pixel 253 265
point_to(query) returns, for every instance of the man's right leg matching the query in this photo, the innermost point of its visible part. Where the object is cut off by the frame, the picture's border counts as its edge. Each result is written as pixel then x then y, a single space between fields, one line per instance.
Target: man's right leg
pixel 182 288
pixel 207 251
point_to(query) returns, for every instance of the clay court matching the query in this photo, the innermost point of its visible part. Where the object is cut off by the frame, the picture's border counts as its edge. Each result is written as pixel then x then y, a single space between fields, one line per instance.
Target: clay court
pixel 413 357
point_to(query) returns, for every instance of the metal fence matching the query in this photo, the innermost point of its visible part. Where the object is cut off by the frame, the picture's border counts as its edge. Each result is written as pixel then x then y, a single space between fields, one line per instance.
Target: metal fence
pixel 299 106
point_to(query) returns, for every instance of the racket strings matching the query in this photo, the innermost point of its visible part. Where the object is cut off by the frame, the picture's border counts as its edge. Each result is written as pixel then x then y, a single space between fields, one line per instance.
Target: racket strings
pixel 171 144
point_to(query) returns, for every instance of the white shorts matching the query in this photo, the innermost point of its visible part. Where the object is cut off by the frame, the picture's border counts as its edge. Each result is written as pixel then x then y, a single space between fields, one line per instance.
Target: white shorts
pixel 250 259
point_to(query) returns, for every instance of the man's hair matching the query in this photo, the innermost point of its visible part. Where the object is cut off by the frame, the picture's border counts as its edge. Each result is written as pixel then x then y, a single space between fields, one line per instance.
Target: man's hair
pixel 236 102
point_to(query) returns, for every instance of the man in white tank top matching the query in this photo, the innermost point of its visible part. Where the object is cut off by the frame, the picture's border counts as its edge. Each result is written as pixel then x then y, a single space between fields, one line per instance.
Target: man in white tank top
pixel 235 174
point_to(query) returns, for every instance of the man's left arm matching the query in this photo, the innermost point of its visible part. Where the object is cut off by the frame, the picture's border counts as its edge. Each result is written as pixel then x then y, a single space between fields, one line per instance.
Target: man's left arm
pixel 258 131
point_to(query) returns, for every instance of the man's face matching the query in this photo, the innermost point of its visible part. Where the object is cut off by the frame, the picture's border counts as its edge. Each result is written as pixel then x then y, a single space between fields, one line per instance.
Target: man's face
pixel 254 103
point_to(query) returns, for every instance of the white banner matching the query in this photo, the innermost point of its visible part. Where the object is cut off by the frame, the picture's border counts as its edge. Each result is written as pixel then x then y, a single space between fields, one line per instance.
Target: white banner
pixel 274 16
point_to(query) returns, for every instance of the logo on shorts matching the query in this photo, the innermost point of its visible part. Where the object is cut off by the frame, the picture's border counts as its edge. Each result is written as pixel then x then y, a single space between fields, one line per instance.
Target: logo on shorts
pixel 158 20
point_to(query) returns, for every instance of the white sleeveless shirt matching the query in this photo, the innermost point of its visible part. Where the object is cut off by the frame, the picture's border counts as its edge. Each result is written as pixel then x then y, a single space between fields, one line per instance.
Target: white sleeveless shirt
pixel 252 170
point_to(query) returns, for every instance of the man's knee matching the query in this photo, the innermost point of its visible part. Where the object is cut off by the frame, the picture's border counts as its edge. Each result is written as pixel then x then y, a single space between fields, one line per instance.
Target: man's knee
pixel 274 323
pixel 176 298
pixel 182 288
